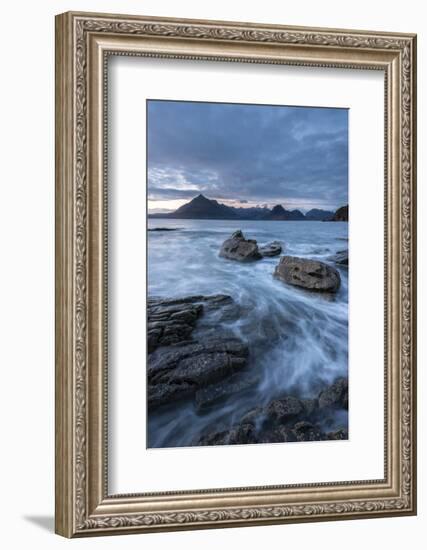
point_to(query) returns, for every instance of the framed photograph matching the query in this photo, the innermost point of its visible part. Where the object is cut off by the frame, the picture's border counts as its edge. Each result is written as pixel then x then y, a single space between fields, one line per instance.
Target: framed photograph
pixel 235 274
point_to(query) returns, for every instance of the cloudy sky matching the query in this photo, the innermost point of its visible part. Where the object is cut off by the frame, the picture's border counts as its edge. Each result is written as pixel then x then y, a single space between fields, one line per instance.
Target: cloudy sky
pixel 246 155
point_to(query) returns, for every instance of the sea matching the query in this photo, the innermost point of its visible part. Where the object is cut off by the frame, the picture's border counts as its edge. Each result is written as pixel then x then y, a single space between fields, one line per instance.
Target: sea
pixel 298 340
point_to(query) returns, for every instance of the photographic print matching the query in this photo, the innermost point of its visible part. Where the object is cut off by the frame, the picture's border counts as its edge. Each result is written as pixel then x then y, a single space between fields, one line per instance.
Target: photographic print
pixel 219 211
pixel 247 273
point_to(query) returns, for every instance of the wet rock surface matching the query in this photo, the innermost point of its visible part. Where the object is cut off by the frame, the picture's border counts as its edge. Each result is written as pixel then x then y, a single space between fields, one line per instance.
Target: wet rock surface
pixel 170 323
pixel 192 366
pixel 180 366
pixel 335 396
pixel 285 420
pixel 284 409
pixel 257 369
pixel 173 321
pixel 215 393
pixel 271 249
pixel 199 363
pixel 308 274
pixel 240 249
pixel 340 258
pixel 238 435
pixel 338 435
pixel 190 360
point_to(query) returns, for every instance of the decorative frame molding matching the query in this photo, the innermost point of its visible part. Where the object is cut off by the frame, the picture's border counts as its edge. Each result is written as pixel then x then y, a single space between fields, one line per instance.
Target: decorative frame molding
pixel 83 43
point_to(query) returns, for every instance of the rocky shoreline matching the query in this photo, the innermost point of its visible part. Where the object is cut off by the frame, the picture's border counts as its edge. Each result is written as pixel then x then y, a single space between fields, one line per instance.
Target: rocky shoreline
pixel 207 371
pixel 191 360
pixel 180 366
pixel 286 419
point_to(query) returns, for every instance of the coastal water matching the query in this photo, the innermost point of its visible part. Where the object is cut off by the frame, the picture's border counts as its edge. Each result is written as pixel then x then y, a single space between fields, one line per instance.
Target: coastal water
pixel 298 340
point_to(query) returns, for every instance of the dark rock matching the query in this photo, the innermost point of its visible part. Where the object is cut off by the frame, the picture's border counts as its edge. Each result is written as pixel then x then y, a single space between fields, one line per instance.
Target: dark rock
pixel 217 300
pixel 255 416
pixel 215 393
pixel 335 396
pixel 163 229
pixel 319 250
pixel 153 337
pixel 282 420
pixel 340 258
pixel 183 360
pixel 214 299
pixel 240 249
pixel 309 406
pixel 280 411
pixel 237 435
pixel 341 215
pixel 224 308
pixel 284 409
pixel 309 274
pixel 306 431
pixel 172 321
pixel 192 366
pixel 279 434
pixel 160 394
pixel 340 434
pixel 271 249
pixel 303 426
pixel 199 362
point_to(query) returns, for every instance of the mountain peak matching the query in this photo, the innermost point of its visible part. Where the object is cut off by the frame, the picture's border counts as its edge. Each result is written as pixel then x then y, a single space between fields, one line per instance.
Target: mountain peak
pixel 279 213
pixel 203 208
pixel 200 199
pixel 278 209
pixel 317 214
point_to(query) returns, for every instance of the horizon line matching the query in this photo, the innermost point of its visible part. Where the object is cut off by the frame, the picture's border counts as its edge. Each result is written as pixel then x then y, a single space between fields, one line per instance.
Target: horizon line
pixel 239 205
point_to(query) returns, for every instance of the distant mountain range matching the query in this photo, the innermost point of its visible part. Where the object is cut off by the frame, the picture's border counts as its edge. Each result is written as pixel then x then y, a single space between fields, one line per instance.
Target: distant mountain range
pixel 202 208
pixel 318 215
pixel 278 213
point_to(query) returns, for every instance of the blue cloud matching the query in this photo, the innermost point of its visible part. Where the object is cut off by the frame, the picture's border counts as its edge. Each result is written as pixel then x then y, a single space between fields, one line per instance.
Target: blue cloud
pixel 253 153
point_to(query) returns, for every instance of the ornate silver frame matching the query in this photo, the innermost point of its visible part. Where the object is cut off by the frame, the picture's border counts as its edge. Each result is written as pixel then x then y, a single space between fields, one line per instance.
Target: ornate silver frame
pixel 83 42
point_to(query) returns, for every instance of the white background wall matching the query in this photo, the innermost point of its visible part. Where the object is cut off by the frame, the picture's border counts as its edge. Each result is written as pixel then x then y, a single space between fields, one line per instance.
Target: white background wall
pixel 27 273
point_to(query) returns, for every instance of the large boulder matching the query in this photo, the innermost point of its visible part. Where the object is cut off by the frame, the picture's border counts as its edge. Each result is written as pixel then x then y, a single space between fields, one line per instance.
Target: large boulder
pixel 240 249
pixel 271 249
pixel 309 274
